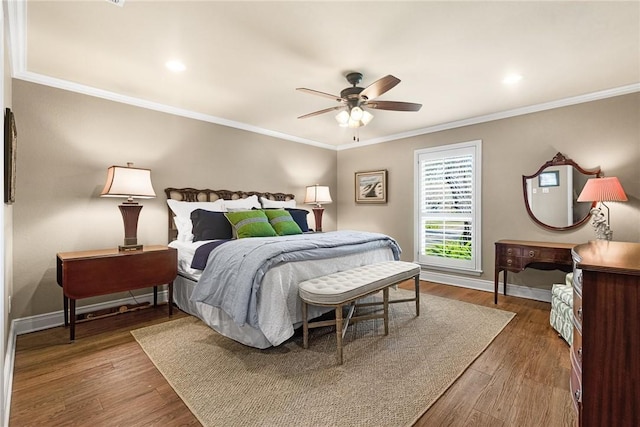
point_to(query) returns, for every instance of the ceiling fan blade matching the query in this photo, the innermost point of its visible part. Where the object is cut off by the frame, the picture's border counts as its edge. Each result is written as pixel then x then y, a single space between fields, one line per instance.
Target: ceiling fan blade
pixel 393 105
pixel 316 113
pixel 379 87
pixel 323 94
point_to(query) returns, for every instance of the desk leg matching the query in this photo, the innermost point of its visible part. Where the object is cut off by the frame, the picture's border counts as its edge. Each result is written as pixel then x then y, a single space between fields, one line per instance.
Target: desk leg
pixel 496 282
pixel 155 296
pixel 72 329
pixel 504 288
pixel 417 286
pixel 171 299
pixel 65 304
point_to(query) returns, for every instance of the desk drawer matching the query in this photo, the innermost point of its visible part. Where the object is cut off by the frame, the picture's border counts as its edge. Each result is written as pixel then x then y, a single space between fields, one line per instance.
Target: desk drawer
pixel 509 251
pixel 511 262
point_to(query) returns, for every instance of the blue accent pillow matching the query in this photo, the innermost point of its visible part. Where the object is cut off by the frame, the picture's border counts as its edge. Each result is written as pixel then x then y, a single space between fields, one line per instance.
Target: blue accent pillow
pixel 209 225
pixel 300 217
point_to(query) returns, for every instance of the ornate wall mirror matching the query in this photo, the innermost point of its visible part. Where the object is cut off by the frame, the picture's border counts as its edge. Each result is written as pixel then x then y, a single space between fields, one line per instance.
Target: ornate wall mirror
pixel 550 194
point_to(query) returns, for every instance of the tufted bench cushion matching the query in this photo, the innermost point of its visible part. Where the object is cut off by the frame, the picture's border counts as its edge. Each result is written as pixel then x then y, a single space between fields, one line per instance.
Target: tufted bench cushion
pixel 345 287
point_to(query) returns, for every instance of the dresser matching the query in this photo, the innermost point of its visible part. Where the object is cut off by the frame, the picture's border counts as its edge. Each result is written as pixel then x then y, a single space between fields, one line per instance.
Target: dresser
pixel 605 355
pixel 516 255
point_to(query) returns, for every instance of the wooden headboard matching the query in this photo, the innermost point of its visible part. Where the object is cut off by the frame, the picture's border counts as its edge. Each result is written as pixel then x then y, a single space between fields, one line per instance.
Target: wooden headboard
pixel 206 195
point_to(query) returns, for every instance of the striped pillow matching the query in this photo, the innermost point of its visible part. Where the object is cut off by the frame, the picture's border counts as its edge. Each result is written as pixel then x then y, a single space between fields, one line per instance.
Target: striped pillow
pixel 250 224
pixel 282 222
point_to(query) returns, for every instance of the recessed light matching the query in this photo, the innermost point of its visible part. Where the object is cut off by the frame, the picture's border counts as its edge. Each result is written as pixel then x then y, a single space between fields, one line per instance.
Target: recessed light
pixel 175 66
pixel 512 79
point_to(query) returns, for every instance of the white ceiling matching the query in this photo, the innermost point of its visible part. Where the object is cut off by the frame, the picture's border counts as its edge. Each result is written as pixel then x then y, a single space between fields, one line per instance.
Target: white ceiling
pixel 245 59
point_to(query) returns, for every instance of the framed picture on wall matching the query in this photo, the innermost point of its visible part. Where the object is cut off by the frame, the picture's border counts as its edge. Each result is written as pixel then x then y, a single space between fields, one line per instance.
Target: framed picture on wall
pixel 549 179
pixel 371 187
pixel 10 145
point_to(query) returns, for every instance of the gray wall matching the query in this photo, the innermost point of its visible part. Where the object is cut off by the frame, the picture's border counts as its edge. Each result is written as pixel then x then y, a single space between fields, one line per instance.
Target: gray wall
pixel 603 133
pixel 66 142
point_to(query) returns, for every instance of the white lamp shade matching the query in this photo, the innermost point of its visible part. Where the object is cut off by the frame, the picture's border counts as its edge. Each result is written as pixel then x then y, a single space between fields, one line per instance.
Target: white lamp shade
pixel 317 195
pixel 126 181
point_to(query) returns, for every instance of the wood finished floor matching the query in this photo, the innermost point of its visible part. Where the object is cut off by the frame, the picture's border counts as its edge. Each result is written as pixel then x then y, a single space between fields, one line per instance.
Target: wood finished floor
pixel 105 379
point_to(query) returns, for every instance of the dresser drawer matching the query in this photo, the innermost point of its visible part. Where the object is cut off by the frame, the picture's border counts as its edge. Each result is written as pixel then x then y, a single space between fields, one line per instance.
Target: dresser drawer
pixel 575 386
pixel 577 279
pixel 576 350
pixel 577 309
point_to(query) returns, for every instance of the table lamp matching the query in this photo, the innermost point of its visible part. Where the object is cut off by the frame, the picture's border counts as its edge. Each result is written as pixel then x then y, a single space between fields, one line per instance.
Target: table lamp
pixel 129 182
pixel 317 195
pixel 606 189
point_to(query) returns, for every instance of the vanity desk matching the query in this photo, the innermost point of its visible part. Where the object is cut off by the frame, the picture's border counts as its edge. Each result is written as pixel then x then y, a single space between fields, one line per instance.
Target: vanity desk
pixel 605 355
pixel 516 255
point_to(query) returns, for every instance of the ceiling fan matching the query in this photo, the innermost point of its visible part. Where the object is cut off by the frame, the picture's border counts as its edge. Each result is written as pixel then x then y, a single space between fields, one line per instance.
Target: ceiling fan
pixel 353 101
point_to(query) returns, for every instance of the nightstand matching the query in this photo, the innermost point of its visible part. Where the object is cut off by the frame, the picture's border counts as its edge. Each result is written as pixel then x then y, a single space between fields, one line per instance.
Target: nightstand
pixel 87 274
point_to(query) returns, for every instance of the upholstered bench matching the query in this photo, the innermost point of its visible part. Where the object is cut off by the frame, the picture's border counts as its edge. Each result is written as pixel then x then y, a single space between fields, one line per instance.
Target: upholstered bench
pixel 561 315
pixel 345 287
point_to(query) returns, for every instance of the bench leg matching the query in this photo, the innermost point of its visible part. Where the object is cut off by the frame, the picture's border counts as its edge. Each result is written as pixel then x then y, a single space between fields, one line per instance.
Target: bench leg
pixel 339 333
pixel 385 305
pixel 417 285
pixel 305 326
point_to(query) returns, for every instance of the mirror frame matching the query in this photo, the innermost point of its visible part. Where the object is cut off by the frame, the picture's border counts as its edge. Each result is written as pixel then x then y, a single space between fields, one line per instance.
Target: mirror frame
pixel 558 160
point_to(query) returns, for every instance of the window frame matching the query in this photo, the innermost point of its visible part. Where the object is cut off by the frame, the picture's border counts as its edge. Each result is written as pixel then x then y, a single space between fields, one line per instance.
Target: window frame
pixel 473 266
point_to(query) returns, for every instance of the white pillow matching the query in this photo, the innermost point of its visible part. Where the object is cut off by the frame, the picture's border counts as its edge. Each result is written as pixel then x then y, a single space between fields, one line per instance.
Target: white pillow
pixel 243 204
pixel 267 204
pixel 183 210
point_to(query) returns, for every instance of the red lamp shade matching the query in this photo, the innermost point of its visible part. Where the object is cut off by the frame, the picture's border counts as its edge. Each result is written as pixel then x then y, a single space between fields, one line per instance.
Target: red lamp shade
pixel 606 189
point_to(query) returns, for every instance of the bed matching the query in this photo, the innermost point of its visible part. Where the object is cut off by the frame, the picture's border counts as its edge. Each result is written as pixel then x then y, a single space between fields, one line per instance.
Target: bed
pixel 246 288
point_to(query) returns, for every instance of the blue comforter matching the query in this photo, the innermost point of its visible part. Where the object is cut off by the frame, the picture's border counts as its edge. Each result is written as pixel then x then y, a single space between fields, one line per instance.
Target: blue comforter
pixel 234 271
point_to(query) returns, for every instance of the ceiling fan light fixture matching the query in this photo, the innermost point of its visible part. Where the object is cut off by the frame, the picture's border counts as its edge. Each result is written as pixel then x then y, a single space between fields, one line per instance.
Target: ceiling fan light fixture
pixel 343 118
pixel 366 118
pixel 356 113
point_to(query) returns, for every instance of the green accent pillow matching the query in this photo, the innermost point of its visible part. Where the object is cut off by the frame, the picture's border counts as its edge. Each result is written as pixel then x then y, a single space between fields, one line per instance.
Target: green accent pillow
pixel 250 224
pixel 282 222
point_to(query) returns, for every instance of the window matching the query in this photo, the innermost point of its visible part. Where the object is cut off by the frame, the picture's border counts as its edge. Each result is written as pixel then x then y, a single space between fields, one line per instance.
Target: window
pixel 447 203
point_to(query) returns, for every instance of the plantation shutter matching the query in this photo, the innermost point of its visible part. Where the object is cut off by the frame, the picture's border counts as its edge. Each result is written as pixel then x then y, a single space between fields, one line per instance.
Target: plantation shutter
pixel 447 200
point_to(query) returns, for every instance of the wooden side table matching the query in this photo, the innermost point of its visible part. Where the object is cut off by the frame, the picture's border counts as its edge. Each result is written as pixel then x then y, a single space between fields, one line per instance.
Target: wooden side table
pixel 87 274
pixel 516 255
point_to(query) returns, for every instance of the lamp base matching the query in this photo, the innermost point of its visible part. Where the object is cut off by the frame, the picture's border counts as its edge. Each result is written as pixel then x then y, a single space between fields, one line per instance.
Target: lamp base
pixel 130 213
pixel 317 214
pixel 129 248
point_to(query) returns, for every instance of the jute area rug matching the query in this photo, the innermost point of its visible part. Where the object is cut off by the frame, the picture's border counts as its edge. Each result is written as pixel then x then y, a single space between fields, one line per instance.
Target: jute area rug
pixel 384 381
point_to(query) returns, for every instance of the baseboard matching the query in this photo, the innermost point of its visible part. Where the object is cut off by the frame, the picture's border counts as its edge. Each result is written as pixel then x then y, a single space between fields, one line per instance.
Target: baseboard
pixel 9 360
pixel 56 318
pixel 486 285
